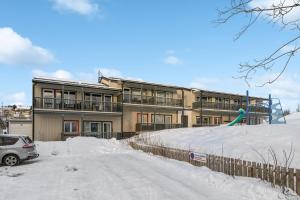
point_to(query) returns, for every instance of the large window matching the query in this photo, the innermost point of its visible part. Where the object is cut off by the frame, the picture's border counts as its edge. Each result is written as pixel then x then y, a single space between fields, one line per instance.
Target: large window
pixel 99 129
pixel 71 127
pixel 144 118
pixel 161 119
pixel 69 97
pixel 48 98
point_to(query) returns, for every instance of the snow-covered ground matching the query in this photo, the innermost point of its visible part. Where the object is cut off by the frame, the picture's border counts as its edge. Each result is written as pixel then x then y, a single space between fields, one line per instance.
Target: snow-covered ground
pixel 95 169
pixel 245 142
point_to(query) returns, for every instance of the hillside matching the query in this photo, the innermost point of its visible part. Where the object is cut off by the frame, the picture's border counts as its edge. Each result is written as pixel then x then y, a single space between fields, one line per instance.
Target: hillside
pixel 245 142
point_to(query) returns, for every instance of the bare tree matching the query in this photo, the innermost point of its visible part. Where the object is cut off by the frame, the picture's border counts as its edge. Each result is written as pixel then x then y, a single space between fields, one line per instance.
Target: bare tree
pixel 280 12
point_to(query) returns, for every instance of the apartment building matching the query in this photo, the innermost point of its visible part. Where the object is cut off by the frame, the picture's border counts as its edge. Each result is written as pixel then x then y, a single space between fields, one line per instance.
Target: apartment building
pixel 66 109
pixel 117 107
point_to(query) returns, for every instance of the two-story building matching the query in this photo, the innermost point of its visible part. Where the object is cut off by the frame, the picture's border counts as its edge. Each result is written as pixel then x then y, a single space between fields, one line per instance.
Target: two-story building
pixel 117 107
pixel 64 108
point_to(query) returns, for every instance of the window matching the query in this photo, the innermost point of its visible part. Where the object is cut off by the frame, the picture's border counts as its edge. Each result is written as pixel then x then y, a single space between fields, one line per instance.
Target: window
pixel 136 96
pixel 6 141
pixel 126 95
pixel 198 120
pixel 158 119
pixel 69 97
pixel 168 119
pixel 144 118
pixel 48 98
pixel 71 127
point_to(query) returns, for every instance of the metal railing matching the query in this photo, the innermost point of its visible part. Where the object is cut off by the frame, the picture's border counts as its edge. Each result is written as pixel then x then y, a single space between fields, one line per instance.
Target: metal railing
pixel 155 127
pixel 227 106
pixel 152 100
pixel 78 105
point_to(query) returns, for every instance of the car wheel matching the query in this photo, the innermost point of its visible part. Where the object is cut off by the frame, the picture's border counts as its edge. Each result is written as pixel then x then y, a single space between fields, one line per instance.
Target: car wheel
pixel 11 160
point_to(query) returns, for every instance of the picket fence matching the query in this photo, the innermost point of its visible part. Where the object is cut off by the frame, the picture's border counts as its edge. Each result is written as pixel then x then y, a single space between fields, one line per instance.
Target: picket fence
pixel 276 175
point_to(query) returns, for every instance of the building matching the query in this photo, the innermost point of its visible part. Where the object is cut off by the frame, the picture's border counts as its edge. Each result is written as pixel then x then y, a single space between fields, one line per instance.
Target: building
pixel 117 107
pixel 20 126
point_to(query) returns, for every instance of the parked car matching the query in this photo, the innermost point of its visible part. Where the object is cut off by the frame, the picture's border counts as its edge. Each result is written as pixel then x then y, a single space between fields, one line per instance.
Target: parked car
pixel 16 148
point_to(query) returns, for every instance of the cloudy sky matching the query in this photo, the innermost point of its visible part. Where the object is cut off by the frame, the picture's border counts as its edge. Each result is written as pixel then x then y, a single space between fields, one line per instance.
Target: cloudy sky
pixel 170 41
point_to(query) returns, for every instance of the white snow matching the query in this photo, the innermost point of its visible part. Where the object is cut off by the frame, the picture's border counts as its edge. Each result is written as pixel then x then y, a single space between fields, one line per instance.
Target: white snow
pixel 244 142
pixel 97 169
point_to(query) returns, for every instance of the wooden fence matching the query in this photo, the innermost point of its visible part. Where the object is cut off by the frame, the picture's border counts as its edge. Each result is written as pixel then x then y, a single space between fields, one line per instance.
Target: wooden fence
pixel 276 175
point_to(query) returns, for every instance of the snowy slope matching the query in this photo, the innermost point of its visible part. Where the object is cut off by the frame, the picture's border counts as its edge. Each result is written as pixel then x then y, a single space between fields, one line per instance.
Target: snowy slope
pixel 94 169
pixel 245 142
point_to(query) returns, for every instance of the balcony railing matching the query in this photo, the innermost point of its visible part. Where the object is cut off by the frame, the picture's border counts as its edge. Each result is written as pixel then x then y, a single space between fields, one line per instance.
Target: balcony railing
pixel 68 104
pixel 231 107
pixel 152 100
pixel 155 127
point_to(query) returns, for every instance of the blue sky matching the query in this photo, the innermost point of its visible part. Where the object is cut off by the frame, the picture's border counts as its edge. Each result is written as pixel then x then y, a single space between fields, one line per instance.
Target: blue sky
pixel 170 41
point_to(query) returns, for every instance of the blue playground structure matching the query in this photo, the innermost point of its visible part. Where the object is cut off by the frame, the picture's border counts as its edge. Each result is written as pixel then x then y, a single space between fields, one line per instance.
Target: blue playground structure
pixel 273 105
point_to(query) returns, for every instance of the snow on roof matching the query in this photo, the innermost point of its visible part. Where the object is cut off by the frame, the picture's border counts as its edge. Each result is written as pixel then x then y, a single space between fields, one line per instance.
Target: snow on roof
pixel 69 82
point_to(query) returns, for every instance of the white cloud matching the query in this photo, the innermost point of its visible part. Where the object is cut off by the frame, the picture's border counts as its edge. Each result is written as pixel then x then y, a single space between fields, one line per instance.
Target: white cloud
pixel 17 50
pixel 172 60
pixel 110 72
pixel 18 98
pixel 59 74
pixel 83 7
pixel 293 15
pixel 204 83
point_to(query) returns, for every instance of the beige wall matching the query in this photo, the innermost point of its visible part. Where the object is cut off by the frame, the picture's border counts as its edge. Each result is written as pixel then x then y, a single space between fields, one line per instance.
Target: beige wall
pixel 20 128
pixel 48 127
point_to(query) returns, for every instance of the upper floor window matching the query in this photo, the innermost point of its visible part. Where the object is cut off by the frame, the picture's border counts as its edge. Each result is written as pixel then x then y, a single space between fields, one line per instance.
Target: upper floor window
pixel 69 97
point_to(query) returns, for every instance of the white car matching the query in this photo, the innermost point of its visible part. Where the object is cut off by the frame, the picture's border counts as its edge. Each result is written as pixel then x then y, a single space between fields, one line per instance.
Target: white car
pixel 16 148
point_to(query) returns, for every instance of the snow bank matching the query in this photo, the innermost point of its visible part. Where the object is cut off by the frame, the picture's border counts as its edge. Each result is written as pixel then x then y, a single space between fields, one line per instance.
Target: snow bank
pixel 244 142
pixel 93 169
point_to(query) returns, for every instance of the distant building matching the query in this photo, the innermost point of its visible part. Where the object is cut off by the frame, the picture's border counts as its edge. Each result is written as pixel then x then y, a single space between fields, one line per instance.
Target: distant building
pixel 116 106
pixel 20 127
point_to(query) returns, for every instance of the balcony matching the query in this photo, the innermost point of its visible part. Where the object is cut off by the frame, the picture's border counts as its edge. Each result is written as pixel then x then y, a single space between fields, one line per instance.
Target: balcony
pixel 152 100
pixel 75 105
pixel 231 107
pixel 155 127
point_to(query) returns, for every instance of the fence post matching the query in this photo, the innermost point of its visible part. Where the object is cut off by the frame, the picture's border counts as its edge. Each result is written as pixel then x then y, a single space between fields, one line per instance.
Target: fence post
pixel 283 177
pixel 265 172
pixel 231 166
pixel 291 178
pixel 254 174
pixel 271 174
pixel 244 168
pixel 298 181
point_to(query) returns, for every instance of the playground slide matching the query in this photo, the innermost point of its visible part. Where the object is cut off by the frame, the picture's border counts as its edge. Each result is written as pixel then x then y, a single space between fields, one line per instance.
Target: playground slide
pixel 239 118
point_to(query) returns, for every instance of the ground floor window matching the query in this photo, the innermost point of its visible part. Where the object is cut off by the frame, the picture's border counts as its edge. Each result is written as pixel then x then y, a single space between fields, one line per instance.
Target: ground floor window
pixel 144 118
pixel 101 129
pixel 161 119
pixel 71 127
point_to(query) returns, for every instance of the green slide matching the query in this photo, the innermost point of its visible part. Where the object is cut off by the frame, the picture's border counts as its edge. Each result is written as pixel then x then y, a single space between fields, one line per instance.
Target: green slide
pixel 239 118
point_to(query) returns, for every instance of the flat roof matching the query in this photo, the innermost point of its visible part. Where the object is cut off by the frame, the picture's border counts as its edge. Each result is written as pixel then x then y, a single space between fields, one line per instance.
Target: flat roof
pixel 72 83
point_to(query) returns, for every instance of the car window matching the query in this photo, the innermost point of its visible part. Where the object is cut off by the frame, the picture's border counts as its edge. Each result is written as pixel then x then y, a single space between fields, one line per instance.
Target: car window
pixel 27 140
pixel 5 141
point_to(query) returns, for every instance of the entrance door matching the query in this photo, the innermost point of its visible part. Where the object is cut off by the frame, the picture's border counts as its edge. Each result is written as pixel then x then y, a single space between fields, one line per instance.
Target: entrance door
pixel 48 99
pixel 107 130
pixel 185 121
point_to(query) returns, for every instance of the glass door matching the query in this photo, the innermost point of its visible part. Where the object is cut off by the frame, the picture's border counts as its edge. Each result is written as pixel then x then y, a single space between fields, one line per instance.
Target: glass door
pixel 48 99
pixel 108 103
pixel 107 130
